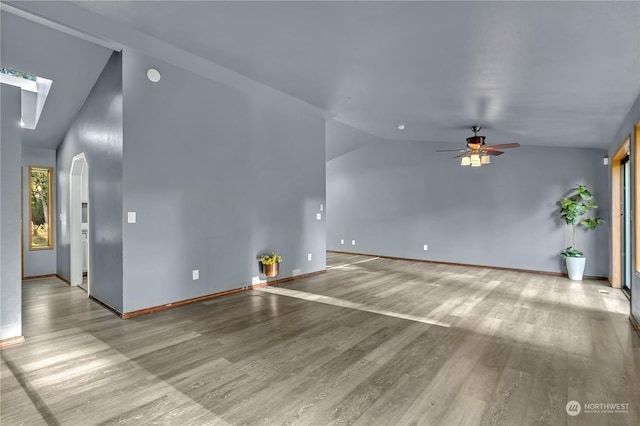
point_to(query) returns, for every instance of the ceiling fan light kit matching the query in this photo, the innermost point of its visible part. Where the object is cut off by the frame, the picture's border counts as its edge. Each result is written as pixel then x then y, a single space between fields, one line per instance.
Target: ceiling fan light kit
pixel 475 160
pixel 477 153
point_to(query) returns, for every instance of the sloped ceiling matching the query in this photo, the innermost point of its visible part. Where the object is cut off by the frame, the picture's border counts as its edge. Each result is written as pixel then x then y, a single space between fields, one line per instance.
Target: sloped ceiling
pixel 538 73
pixel 73 64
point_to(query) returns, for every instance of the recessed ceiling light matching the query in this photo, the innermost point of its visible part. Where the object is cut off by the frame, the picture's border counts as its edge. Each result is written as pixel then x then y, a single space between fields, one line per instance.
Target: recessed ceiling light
pixel 21 122
pixel 401 126
pixel 153 75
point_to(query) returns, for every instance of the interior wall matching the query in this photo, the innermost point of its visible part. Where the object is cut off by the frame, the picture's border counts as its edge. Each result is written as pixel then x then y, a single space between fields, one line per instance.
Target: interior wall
pixel 97 131
pixel 342 139
pixel 37 262
pixel 395 197
pixel 10 263
pixel 216 177
pixel 627 129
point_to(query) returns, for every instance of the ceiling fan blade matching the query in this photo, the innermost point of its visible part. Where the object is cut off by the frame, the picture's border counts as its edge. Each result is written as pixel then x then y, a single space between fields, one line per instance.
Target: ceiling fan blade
pixel 460 155
pixel 491 152
pixel 450 150
pixel 502 146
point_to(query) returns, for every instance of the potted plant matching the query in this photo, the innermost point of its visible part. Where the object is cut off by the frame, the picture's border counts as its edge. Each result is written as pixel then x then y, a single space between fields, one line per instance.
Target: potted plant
pixel 270 264
pixel 572 208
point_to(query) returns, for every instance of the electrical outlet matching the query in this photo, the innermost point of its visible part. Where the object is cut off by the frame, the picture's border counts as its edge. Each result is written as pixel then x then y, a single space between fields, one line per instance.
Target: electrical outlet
pixel 308 256
pixel 353 242
pixel 319 216
pixel 195 274
pixel 426 247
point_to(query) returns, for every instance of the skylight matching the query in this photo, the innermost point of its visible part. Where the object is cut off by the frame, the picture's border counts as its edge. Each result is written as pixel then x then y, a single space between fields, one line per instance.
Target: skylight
pixel 19 74
pixel 33 94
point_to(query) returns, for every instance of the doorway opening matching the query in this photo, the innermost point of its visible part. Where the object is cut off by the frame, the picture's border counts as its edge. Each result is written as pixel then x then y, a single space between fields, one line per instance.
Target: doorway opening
pixel 625 224
pixel 618 267
pixel 79 224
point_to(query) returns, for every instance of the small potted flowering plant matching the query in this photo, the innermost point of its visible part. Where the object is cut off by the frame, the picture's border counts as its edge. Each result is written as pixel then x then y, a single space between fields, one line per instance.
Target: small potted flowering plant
pixel 270 264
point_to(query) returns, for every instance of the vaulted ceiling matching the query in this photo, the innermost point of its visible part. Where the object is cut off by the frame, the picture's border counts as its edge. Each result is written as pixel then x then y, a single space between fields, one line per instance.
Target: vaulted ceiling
pixel 538 73
pixel 73 64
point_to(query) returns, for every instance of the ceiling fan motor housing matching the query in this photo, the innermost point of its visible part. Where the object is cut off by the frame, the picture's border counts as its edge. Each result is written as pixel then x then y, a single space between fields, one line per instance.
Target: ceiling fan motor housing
pixel 475 140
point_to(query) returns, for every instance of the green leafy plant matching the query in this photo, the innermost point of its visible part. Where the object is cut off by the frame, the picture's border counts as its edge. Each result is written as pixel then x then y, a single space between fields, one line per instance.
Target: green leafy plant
pixel 572 209
pixel 270 259
pixel 571 252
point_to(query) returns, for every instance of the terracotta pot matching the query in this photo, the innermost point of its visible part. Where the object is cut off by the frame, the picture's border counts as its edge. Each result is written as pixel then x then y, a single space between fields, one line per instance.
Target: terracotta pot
pixel 271 270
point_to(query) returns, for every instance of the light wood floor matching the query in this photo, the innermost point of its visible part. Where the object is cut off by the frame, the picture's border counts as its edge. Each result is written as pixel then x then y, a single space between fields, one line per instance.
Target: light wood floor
pixel 371 342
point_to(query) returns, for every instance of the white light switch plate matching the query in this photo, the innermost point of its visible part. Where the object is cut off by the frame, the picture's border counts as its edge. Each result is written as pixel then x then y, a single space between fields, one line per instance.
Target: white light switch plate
pixel 353 242
pixel 341 241
pixel 131 217
pixel 319 216
pixel 309 256
pixel 195 274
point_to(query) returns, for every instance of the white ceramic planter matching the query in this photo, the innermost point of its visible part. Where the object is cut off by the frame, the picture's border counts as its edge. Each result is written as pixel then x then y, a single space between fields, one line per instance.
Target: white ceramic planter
pixel 575 267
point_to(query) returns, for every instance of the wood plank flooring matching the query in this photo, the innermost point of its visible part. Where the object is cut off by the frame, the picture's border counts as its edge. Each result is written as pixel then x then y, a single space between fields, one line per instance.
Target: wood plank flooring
pixel 371 342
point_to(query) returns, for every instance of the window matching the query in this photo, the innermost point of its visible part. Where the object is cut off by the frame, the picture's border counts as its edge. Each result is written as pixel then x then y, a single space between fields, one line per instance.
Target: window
pixel 40 208
pixel 18 74
pixel 34 94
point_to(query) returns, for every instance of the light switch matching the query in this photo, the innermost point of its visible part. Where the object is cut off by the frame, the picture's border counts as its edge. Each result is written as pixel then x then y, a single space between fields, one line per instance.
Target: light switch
pixel 309 256
pixel 341 241
pixel 131 217
pixel 353 242
pixel 319 216
pixel 321 207
pixel 195 274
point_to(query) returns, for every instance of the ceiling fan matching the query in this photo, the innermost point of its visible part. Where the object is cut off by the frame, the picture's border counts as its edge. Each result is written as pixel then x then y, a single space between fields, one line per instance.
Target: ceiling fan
pixel 477 153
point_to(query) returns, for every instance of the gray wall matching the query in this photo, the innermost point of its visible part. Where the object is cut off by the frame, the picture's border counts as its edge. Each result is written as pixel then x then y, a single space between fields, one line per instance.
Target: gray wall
pixel 342 139
pixel 626 129
pixel 97 131
pixel 394 197
pixel 37 262
pixel 10 152
pixel 216 177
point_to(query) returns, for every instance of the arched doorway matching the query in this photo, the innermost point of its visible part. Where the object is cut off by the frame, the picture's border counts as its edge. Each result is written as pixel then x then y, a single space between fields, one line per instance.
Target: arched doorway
pixel 79 224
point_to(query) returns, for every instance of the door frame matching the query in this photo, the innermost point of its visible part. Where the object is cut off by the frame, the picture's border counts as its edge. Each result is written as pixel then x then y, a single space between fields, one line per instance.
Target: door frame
pixel 626 224
pixel 79 166
pixel 623 150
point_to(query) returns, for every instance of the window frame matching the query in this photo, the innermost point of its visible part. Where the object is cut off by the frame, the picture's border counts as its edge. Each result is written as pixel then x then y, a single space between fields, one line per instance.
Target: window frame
pixel 50 239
